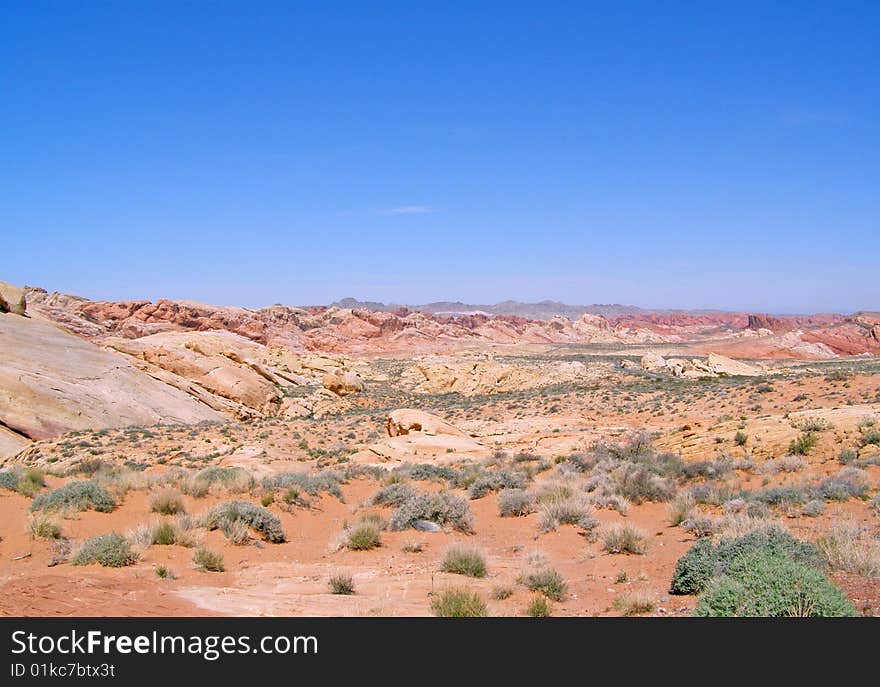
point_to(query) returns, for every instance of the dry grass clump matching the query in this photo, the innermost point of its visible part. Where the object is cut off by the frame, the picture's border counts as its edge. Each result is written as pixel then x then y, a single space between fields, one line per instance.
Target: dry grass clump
pixel 846 547
pixel 624 539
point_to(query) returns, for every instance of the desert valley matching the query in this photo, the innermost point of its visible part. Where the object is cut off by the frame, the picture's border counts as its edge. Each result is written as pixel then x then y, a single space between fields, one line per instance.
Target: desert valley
pixel 176 458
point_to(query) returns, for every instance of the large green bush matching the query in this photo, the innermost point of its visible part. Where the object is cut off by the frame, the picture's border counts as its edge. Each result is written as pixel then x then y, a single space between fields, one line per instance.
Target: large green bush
pixel 110 550
pixel 704 560
pixel 764 583
pixel 80 495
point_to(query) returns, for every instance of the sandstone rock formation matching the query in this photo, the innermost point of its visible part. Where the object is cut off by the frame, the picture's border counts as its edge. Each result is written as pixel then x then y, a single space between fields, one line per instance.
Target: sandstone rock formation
pixel 53 382
pixel 409 420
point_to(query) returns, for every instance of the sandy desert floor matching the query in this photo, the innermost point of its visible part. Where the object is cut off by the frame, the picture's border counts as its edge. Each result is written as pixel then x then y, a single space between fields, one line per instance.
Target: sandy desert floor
pixel 579 444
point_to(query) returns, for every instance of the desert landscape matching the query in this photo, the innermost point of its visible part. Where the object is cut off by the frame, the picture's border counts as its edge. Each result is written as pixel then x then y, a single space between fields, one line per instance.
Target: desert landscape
pixel 174 458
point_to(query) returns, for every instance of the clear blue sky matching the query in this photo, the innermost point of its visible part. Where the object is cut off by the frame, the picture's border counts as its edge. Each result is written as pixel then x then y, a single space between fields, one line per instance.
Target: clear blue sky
pixel 661 154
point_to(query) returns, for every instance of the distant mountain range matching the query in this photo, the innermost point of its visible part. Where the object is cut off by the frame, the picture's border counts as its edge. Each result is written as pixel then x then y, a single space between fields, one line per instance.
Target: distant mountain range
pixel 543 310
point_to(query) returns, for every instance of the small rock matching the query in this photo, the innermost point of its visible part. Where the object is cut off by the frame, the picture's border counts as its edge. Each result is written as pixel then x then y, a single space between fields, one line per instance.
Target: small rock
pixel 426 526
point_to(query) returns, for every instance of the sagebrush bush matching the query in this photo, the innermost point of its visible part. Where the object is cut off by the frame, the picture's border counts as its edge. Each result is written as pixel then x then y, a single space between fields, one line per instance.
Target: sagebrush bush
pixel 515 502
pixel 224 515
pixel 547 581
pixel 205 559
pixel 464 561
pixel 624 539
pixel 9 480
pixel 328 481
pixel 341 584
pixel 363 537
pixel 442 508
pixel 41 526
pixel 705 560
pixel 80 495
pixel 638 483
pixel 394 494
pixel 458 603
pixel 110 550
pixel 630 604
pixel 680 509
pixel 167 503
pixel 848 483
pixel 761 583
pixel 539 607
pixel 845 547
pixel 233 479
pixel 495 480
pixel 575 510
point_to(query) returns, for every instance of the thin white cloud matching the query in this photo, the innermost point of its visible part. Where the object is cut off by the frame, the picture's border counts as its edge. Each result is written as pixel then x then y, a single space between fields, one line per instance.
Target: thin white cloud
pixel 408 210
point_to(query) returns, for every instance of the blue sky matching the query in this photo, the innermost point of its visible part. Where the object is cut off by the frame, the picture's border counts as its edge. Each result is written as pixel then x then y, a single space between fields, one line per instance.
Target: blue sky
pixel 692 155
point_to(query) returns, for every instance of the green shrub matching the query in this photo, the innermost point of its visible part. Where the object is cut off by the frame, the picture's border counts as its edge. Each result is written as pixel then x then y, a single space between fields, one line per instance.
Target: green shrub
pixel 443 508
pixel 464 561
pixel 31 481
pixel 639 483
pixel 164 534
pixel 704 560
pixel 206 559
pixel 165 573
pixel 848 483
pixel 9 480
pixel 458 603
pixel 79 496
pixel 547 581
pixel 539 607
pixel 363 537
pixel 770 584
pixel 110 550
pixel 803 444
pixel 341 584
pixel 264 521
pixel 740 438
pixel 871 437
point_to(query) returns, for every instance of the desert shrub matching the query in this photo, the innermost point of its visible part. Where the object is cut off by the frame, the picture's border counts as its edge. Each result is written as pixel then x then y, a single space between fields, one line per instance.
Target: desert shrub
pixel 547 581
pixel 710 469
pixel 442 508
pixel 81 495
pixel 705 560
pixel 784 464
pixel 871 437
pixel 638 484
pixel 458 603
pixel 740 438
pixel 700 526
pixel 341 584
pixel 413 547
pixel 394 494
pixel 515 502
pixel 680 509
pixel 711 494
pixel 264 521
pixel 575 510
pixel 813 509
pixel 611 501
pixel 164 533
pixel 464 561
pixel 624 539
pixel 324 481
pixel 167 503
pixel 845 548
pixel 539 607
pixel 847 456
pixel 803 444
pixel 233 479
pixel 421 472
pixel 41 526
pixel 813 424
pixel 761 583
pixel 634 604
pixel 205 559
pixel 110 550
pixel 9 480
pixel 781 495
pixel 165 573
pixel 30 482
pixel 363 537
pixel 495 480
pixel 502 592
pixel 846 484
